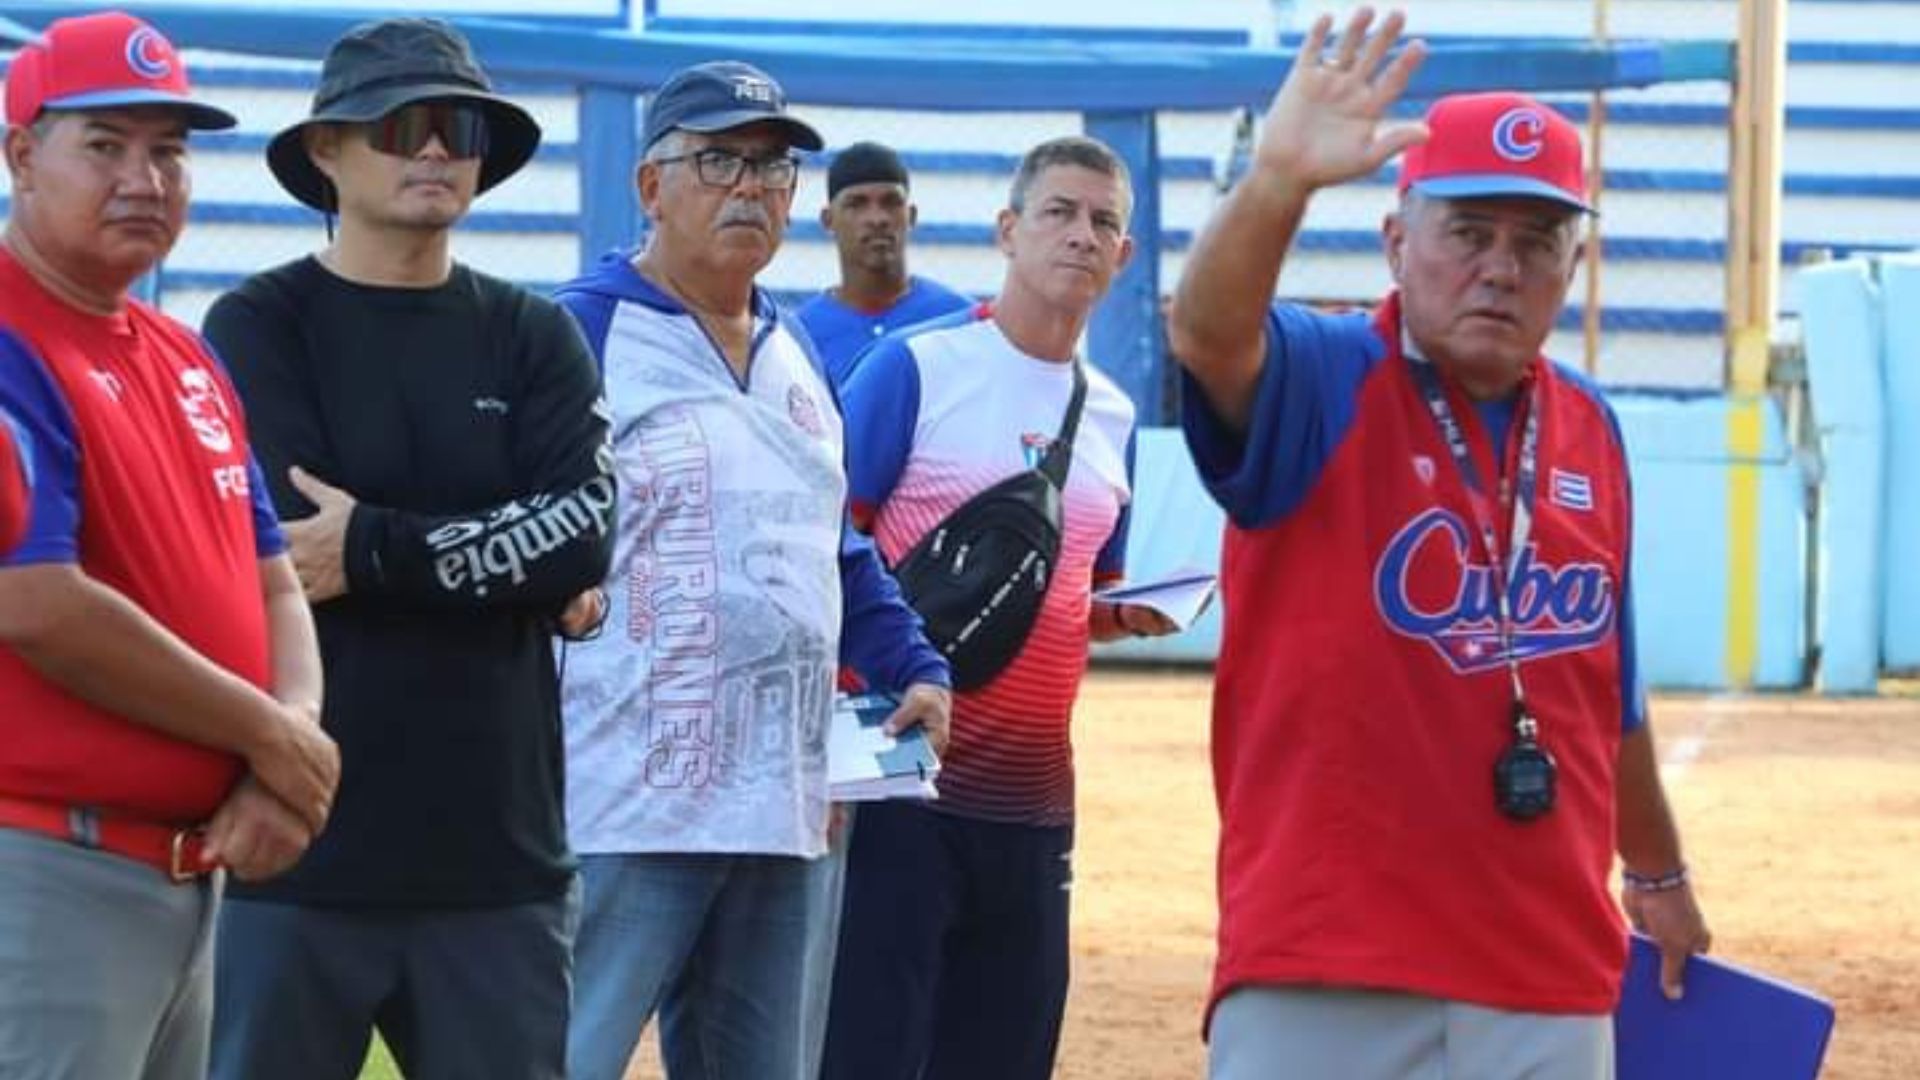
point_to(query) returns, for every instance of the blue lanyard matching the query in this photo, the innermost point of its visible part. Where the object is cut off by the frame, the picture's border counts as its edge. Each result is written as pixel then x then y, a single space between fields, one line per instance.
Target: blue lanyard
pixel 1517 495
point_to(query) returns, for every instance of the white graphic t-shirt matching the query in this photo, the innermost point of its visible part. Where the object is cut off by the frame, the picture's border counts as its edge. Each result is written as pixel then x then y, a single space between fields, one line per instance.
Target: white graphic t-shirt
pixel 696 721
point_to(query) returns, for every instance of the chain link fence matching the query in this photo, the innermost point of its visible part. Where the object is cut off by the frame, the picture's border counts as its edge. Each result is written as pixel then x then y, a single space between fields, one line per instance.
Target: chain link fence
pixel 1659 284
pixel 241 221
pixel 1656 288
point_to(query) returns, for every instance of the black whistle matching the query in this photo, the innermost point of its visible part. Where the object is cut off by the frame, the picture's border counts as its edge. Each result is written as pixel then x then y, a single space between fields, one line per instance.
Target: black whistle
pixel 1524 777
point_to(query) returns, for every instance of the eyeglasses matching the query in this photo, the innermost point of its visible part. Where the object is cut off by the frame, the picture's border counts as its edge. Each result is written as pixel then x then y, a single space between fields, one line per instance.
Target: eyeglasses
pixel 462 129
pixel 722 168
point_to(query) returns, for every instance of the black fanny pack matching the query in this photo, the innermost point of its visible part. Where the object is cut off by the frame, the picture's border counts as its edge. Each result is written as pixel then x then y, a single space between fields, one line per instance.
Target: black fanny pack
pixel 978 578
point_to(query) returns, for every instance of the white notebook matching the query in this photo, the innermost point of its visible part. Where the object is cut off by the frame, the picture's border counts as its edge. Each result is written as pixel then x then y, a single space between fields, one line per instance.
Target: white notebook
pixel 1181 596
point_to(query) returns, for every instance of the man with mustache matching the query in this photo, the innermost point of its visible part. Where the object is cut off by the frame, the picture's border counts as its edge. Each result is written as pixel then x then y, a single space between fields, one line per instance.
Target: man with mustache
pixel 159 685
pixel 438 434
pixel 1430 740
pixel 954 943
pixel 870 214
pixel 696 725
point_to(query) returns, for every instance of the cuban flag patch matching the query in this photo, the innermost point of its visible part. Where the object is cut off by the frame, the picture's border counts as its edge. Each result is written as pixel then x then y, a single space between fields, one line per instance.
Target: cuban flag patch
pixel 1034 446
pixel 1570 489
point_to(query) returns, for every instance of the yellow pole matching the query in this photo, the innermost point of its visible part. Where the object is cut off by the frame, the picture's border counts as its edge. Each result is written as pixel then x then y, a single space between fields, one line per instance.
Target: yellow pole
pixel 1756 132
pixel 1753 192
pixel 1596 171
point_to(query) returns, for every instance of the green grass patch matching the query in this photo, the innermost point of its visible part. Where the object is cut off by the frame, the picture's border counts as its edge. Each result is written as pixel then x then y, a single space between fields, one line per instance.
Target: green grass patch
pixel 379 1064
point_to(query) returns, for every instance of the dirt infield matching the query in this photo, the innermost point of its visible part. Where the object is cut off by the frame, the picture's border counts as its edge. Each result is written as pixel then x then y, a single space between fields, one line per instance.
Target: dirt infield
pixel 1801 816
pixel 1802 821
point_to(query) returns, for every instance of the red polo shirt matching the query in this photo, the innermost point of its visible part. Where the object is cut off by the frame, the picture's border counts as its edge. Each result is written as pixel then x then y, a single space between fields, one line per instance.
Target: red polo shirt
pixel 140 474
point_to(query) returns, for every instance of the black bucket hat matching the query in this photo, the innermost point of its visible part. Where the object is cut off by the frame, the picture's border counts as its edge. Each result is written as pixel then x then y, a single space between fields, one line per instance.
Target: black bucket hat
pixel 378 67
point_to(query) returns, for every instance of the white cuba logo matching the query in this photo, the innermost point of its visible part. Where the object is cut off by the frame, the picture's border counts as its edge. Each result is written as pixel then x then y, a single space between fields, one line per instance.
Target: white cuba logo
pixel 206 410
pixel 147 54
pixel 1520 134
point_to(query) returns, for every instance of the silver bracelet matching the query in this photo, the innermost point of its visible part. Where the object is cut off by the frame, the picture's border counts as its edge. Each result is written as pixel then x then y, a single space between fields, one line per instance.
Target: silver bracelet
pixel 1667 882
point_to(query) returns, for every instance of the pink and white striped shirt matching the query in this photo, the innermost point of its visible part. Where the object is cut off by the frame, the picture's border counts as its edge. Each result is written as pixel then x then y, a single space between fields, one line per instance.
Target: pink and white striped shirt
pixel 934 417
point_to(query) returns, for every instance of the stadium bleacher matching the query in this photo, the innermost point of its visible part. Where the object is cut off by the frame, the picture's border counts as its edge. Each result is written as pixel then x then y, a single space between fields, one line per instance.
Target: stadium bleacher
pixel 1852 178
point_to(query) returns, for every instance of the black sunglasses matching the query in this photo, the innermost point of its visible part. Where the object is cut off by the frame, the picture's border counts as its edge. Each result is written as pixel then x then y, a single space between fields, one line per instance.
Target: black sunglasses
pixel 462 129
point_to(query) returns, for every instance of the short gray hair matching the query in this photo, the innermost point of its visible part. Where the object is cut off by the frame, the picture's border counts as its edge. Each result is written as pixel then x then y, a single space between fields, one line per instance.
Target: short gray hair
pixel 1077 150
pixel 672 144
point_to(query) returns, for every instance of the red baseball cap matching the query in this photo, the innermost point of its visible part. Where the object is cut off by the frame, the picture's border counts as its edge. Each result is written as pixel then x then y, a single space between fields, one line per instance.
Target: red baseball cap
pixel 1497 144
pixel 106 60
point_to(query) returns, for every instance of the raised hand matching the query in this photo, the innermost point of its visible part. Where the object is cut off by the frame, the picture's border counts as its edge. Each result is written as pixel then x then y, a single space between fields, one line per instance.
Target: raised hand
pixel 1324 126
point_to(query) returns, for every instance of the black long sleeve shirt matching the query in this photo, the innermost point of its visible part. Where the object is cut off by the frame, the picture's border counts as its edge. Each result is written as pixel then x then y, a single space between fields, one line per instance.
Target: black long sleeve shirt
pixel 466 420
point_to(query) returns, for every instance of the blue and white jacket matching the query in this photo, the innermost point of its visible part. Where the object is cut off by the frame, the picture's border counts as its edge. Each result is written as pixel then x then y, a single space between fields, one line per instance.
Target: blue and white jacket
pixel 697 721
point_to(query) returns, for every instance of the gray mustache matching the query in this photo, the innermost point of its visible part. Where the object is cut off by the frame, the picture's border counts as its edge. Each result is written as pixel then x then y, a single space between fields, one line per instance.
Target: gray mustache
pixel 746 214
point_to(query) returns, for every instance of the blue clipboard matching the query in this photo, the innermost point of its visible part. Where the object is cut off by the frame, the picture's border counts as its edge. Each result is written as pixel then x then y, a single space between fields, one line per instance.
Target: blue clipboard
pixel 1732 1023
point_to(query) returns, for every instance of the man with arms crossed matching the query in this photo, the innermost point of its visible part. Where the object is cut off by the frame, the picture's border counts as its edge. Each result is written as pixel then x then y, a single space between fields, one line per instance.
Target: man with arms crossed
pixel 1429 736
pixel 436 430
pixel 159 685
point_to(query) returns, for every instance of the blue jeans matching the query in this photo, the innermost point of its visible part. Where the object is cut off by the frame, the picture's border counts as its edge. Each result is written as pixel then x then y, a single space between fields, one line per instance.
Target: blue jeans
pixel 823 941
pixel 727 933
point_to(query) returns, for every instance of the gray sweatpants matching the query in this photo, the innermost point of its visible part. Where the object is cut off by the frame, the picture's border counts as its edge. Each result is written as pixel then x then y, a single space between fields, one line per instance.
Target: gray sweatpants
pixel 1325 1033
pixel 105 966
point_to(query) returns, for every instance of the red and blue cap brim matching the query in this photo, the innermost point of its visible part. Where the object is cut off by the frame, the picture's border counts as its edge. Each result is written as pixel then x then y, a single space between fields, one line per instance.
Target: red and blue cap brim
pixel 1497 185
pixel 200 116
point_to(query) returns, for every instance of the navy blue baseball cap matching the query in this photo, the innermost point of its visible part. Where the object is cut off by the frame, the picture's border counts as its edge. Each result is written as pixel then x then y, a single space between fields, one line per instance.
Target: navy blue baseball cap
pixel 719 96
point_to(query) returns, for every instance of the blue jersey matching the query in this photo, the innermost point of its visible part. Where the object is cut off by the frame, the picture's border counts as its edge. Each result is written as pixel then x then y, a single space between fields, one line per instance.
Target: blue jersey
pixel 842 333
